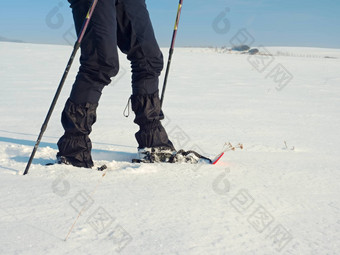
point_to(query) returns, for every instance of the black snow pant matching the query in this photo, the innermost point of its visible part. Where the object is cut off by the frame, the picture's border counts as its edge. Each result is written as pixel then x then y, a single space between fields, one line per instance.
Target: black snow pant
pixel 126 24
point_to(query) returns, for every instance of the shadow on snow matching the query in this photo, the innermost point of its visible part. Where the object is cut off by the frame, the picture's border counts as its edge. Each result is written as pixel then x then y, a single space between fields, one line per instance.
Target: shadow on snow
pixel 97 154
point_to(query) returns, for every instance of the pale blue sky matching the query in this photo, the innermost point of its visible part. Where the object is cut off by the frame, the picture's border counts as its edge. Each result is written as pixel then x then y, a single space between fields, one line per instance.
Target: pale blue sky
pixel 269 22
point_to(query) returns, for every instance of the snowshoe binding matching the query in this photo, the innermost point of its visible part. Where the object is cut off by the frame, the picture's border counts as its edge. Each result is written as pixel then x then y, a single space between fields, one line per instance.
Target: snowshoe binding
pixel 168 155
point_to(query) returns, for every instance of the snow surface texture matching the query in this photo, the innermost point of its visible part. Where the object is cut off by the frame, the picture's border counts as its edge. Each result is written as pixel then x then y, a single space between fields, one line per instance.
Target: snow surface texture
pixel 280 195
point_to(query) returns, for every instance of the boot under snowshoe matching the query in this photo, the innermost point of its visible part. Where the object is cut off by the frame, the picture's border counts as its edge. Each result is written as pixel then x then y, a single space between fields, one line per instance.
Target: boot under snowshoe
pixel 154 155
pixel 168 155
pixel 72 162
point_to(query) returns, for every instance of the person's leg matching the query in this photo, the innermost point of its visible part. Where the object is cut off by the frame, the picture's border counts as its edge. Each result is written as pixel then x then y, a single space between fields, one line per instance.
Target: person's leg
pixel 99 57
pixel 99 62
pixel 135 37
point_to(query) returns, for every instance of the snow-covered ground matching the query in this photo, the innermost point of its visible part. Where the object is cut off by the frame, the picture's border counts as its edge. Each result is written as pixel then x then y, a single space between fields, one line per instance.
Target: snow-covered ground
pixel 280 195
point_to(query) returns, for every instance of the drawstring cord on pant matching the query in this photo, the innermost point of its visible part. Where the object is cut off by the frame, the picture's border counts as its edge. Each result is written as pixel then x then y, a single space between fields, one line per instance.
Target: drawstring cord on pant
pixel 127 107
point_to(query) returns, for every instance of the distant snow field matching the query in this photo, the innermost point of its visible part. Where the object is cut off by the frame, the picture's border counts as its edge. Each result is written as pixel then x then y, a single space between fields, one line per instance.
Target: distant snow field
pixel 279 195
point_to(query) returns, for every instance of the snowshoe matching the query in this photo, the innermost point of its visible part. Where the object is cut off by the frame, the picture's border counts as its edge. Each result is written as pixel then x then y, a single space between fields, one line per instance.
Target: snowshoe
pixel 154 155
pixel 67 161
pixel 168 155
pixel 191 157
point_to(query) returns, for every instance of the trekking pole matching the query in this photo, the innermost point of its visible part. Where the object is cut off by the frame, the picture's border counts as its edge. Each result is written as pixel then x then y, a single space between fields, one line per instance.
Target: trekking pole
pixel 171 51
pixel 61 84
